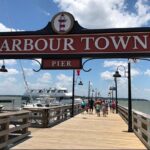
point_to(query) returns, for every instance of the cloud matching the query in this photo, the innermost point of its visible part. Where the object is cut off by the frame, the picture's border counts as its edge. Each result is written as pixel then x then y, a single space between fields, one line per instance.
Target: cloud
pixel 147 90
pixel 45 78
pixel 107 75
pixel 110 14
pixel 134 72
pixel 147 72
pixel 10 62
pixel 11 71
pixel 63 77
pixel 122 66
pixel 115 64
pixel 3 28
pixel 63 81
pixel 28 71
pixel 10 86
pixel 11 79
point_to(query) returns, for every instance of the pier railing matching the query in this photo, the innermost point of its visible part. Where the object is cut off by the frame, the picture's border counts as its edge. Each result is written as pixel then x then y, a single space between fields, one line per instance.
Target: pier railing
pixel 13 127
pixel 140 124
pixel 49 116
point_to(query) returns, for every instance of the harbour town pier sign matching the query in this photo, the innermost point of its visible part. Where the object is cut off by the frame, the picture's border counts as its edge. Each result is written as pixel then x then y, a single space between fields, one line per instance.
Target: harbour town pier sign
pixel 64 38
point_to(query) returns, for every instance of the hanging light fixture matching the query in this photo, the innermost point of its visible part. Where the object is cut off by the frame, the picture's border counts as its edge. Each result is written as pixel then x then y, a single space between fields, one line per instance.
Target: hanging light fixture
pixel 80 83
pixel 3 68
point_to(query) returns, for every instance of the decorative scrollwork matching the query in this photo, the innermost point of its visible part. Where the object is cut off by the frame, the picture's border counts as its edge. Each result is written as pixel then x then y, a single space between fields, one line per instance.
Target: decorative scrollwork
pixel 87 70
pixel 39 64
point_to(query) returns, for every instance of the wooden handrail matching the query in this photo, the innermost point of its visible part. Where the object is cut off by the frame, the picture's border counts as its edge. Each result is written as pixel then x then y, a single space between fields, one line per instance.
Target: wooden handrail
pixel 12 123
pixel 140 124
pixel 49 116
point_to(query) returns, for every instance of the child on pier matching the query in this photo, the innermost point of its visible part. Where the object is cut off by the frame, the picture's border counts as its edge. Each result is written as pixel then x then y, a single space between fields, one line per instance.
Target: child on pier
pixel 97 107
pixel 83 104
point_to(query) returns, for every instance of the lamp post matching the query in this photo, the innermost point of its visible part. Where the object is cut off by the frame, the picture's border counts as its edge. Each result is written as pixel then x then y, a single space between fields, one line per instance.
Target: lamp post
pixel 116 75
pixel 115 79
pixel 73 91
pixel 89 90
pixel 129 93
pixel 93 93
pixel 129 100
pixel 98 94
pixel 73 82
pixel 112 89
pixel 109 94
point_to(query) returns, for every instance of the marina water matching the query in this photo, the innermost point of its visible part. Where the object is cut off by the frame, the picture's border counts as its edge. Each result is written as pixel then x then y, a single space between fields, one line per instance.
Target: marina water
pixel 139 105
pixel 142 106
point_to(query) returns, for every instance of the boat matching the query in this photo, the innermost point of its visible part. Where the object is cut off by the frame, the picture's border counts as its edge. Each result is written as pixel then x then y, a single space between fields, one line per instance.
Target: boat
pixel 48 97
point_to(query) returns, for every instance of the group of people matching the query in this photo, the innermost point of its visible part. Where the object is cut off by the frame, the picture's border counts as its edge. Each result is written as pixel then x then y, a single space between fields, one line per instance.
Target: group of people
pixel 99 105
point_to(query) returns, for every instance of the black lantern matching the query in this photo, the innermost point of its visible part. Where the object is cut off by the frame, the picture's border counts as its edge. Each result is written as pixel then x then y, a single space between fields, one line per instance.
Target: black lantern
pixel 3 68
pixel 117 75
pixel 80 83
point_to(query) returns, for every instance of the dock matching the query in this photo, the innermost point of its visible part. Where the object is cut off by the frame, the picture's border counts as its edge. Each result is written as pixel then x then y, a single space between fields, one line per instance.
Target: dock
pixel 84 131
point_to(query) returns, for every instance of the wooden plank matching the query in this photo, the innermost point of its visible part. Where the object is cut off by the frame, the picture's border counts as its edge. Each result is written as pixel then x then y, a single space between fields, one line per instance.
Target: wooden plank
pixel 84 131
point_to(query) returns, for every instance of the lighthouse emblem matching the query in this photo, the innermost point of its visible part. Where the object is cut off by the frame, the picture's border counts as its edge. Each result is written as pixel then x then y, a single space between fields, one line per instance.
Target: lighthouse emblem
pixel 62 22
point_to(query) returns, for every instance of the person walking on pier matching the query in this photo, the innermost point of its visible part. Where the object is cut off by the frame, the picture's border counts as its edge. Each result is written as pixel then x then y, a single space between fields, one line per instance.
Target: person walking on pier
pixel 97 105
pixel 83 104
pixel 91 105
pixel 113 106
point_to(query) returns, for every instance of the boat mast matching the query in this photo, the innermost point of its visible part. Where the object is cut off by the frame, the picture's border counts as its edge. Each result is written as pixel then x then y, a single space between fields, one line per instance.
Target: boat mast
pixel 25 81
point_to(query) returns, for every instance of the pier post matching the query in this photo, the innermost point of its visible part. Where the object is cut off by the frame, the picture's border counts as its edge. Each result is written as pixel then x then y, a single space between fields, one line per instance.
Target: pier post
pixel 73 82
pixel 115 78
pixel 129 100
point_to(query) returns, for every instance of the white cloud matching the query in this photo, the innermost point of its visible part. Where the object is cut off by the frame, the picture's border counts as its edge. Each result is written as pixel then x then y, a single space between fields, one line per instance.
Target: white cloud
pixel 122 66
pixel 11 71
pixel 63 77
pixel 10 86
pixel 115 64
pixel 28 72
pixel 38 85
pixel 134 72
pixel 11 79
pixel 147 72
pixel 45 78
pixel 102 14
pixel 107 75
pixel 8 62
pixel 64 81
pixel 3 28
pixel 147 90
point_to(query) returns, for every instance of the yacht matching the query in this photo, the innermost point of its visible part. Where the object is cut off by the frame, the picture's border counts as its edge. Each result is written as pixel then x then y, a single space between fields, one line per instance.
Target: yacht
pixel 49 97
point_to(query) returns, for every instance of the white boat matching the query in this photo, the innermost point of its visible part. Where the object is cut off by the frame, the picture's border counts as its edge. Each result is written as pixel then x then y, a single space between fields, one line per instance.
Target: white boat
pixel 51 92
pixel 49 97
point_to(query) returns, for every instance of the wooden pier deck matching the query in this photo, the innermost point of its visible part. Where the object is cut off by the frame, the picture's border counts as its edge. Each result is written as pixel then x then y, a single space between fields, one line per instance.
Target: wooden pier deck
pixel 84 131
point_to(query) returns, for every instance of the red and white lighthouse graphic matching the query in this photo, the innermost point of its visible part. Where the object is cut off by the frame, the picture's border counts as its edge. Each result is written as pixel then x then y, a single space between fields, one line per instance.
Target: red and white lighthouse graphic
pixel 62 20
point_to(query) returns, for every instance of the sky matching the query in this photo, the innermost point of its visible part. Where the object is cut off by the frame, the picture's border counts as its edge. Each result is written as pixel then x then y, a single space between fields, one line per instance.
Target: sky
pixel 32 15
